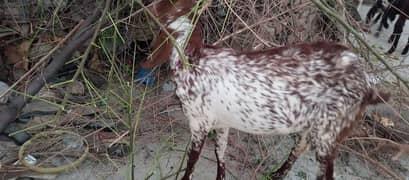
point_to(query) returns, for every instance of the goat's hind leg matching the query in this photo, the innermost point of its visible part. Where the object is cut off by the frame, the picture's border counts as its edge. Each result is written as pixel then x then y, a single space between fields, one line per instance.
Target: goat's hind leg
pixel 400 23
pixel 221 144
pixel 296 151
pixel 198 139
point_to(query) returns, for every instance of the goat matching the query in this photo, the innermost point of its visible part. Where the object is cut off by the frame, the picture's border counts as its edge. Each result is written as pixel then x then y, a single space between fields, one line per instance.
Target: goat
pixel 378 8
pixel 400 7
pixel 395 7
pixel 318 90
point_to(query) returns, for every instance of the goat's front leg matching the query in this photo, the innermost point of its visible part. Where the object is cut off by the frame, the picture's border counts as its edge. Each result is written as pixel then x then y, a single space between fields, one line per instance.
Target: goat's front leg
pixel 198 139
pixel 371 13
pixel 379 16
pixel 384 22
pixel 326 165
pixel 221 144
pixel 325 145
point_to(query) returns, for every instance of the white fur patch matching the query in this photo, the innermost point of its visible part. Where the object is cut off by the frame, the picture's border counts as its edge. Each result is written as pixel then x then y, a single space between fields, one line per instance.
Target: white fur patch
pixel 347 58
pixel 183 26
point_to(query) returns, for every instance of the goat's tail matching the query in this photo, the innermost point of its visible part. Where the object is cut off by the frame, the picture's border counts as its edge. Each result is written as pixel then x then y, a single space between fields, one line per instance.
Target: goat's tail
pixel 374 96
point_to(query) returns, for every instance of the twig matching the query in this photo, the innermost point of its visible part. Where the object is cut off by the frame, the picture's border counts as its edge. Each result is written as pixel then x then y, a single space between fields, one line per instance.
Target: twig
pixel 254 174
pixel 131 15
pixel 245 24
pixel 205 7
pixel 86 53
pixel 401 147
pixel 397 67
pixel 43 59
pixel 381 166
pixel 8 113
pixel 256 24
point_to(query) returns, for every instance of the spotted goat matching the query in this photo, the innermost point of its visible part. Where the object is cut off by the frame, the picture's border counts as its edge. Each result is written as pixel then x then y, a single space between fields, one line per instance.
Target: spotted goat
pixel 317 90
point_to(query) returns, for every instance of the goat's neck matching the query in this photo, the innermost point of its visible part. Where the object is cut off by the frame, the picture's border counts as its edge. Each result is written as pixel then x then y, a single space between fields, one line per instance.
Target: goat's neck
pixel 183 27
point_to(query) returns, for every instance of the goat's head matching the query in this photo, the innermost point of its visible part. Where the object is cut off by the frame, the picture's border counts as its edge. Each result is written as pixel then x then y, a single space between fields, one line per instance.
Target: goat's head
pixel 167 11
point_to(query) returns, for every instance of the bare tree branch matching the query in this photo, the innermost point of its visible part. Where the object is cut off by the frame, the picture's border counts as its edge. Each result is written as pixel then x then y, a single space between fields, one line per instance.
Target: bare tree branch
pixel 9 112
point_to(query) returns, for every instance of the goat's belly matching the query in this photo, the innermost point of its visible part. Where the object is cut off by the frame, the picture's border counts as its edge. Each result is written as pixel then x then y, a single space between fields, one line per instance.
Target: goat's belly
pixel 260 126
pixel 246 104
pixel 258 110
pixel 257 116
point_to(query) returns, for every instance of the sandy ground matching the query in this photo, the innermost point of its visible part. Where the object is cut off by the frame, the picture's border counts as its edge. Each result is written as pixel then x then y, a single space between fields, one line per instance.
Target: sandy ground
pixel 158 156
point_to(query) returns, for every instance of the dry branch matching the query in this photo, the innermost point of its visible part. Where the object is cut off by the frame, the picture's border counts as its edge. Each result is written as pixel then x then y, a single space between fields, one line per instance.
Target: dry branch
pixel 9 112
pixel 377 164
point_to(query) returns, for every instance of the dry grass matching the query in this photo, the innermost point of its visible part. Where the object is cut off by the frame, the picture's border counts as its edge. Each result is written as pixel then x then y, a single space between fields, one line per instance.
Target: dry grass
pixel 124 110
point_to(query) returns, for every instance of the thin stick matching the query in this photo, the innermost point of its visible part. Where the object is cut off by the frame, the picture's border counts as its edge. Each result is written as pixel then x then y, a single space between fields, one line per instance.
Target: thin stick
pixel 245 24
pixel 8 113
pixel 401 147
pixel 131 15
pixel 381 166
pixel 43 59
pixel 256 24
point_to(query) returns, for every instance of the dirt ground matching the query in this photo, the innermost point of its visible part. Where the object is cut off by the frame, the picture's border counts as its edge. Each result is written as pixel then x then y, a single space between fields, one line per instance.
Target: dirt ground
pixel 161 144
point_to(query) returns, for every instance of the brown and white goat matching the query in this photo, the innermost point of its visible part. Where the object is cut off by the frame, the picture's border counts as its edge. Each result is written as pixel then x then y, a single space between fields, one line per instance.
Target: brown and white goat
pixel 318 90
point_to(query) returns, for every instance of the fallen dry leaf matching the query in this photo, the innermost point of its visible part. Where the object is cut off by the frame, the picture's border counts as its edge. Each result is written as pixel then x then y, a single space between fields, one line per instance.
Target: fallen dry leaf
pixel 77 88
pixel 96 64
pixel 18 55
pixel 383 120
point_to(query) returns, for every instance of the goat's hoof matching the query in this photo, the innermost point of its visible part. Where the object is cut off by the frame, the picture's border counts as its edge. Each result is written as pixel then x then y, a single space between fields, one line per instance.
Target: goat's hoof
pixel 405 51
pixel 389 52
